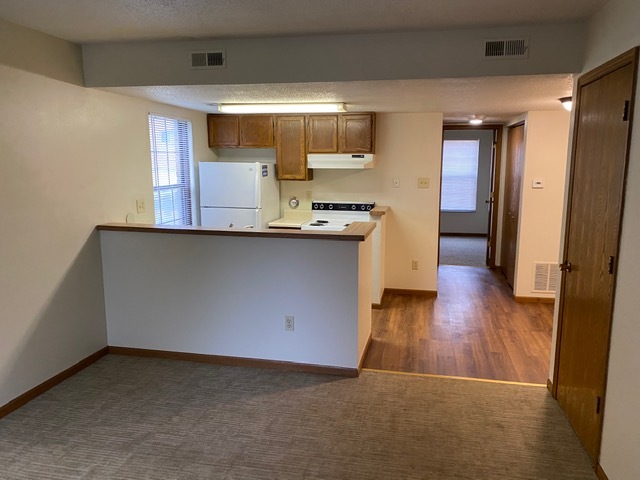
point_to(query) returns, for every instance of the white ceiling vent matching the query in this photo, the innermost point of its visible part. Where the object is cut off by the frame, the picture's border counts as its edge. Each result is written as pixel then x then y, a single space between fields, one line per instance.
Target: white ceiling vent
pixel 545 277
pixel 498 48
pixel 208 60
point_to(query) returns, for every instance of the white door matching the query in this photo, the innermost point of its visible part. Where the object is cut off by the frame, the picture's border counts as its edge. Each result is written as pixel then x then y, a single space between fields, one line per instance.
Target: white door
pixel 230 217
pixel 225 184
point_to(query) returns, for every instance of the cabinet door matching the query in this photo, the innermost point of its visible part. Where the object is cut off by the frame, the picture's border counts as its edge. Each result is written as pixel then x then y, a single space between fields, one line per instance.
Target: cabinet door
pixel 357 133
pixel 323 133
pixel 223 130
pixel 291 156
pixel 256 131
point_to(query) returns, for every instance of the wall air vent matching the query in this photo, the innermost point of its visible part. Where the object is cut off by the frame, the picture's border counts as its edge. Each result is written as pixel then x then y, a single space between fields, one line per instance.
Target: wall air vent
pixel 506 48
pixel 545 277
pixel 208 60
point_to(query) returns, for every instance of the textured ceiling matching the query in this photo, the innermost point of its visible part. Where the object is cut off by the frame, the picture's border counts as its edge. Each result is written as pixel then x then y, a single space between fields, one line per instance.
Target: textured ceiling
pixel 85 21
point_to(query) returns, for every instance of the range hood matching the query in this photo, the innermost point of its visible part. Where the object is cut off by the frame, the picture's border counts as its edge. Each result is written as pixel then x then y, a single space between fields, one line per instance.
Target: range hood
pixel 341 160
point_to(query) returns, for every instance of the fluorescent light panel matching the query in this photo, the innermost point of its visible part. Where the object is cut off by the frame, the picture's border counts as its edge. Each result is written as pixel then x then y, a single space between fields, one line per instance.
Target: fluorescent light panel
pixel 281 107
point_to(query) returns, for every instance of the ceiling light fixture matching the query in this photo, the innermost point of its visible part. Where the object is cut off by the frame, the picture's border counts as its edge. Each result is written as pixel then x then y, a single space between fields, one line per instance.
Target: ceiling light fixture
pixel 281 107
pixel 567 102
pixel 476 120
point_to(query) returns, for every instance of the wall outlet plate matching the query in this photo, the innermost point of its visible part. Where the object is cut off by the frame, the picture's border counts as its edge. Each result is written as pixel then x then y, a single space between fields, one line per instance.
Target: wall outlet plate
pixel 289 323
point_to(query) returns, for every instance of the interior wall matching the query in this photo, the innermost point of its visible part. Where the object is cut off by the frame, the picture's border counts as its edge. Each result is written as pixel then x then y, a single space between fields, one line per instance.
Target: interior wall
pixel 612 31
pixel 546 143
pixel 408 146
pixel 472 222
pixel 71 158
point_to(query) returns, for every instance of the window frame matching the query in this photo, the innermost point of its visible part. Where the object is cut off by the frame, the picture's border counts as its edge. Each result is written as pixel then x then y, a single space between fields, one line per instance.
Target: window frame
pixel 460 208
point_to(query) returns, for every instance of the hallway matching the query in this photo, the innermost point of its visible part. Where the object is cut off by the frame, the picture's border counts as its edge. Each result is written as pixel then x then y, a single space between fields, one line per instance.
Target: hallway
pixel 472 329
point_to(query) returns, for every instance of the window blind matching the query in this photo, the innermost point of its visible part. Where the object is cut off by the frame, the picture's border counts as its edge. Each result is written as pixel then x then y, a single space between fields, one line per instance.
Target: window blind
pixel 171 166
pixel 459 175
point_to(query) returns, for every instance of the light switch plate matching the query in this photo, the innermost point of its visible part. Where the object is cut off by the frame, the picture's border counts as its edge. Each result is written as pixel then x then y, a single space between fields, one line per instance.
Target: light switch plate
pixel 537 183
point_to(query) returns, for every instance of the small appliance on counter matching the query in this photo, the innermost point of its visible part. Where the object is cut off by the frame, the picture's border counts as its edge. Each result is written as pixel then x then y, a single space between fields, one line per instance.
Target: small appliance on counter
pixel 238 195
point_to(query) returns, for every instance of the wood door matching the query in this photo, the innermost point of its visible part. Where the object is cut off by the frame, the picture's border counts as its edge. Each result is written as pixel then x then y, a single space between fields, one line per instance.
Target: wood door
pixel 357 133
pixel 511 214
pixel 598 169
pixel 291 155
pixel 223 130
pixel 323 133
pixel 256 131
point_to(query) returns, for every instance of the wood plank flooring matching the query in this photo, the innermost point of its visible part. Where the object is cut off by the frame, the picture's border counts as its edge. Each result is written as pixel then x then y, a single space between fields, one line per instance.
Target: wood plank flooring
pixel 472 329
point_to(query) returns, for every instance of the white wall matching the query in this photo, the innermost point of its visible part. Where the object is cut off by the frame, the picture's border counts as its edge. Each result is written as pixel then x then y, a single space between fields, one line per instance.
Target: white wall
pixel 408 146
pixel 478 221
pixel 612 31
pixel 71 158
pixel 546 142
pixel 230 295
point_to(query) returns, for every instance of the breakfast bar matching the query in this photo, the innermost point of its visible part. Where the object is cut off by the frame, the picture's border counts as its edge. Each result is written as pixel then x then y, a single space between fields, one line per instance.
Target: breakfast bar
pixel 279 297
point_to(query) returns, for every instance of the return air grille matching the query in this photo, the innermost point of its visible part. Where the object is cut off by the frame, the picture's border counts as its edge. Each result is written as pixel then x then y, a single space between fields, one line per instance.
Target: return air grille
pixel 208 60
pixel 545 277
pixel 506 48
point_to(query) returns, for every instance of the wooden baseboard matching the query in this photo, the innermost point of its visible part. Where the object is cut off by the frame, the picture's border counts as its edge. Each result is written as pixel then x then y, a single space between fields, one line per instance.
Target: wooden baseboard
pixel 52 382
pixel 364 353
pixel 236 361
pixel 550 386
pixel 403 291
pixel 376 306
pixel 600 473
pixel 533 300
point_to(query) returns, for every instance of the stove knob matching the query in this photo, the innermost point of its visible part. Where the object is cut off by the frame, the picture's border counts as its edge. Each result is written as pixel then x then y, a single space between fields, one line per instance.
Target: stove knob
pixel 331 206
pixel 321 206
pixel 353 207
pixel 368 207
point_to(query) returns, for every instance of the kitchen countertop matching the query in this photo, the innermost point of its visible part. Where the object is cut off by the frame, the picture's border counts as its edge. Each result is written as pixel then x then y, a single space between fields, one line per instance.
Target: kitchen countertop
pixel 357 231
pixel 291 219
pixel 379 210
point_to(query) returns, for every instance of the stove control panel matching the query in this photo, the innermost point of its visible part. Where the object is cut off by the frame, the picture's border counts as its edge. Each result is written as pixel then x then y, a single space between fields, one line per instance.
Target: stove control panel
pixel 343 206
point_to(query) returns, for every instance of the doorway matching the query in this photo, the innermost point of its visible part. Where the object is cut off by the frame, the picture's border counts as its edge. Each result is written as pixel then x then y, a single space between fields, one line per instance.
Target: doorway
pixel 469 190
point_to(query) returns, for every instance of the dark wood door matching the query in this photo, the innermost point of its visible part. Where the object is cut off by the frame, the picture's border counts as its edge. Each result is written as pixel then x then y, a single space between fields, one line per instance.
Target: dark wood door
pixel 323 133
pixel 601 138
pixel 511 214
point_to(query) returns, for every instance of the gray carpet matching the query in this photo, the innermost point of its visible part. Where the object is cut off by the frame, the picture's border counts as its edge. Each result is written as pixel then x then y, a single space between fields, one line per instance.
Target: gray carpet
pixel 463 250
pixel 140 418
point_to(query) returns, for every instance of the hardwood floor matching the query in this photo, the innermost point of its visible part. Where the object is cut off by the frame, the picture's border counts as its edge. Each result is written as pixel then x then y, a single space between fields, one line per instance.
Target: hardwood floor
pixel 472 329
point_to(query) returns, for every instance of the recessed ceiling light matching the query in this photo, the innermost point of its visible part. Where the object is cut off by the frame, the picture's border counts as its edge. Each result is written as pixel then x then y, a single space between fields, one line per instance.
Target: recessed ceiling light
pixel 476 120
pixel 281 107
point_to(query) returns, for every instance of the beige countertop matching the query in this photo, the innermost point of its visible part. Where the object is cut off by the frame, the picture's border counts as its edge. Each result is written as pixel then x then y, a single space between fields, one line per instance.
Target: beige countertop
pixel 357 231
pixel 291 219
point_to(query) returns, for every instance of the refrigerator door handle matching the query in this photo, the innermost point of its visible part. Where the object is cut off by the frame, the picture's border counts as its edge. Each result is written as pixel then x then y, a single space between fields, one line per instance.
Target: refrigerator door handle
pixel 249 226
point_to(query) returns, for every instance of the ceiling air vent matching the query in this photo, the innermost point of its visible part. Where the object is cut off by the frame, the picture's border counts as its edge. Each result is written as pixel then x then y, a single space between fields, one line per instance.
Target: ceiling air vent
pixel 208 60
pixel 545 277
pixel 506 48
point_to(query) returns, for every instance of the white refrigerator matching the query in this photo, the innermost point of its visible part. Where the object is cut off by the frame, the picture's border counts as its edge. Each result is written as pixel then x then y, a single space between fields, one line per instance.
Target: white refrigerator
pixel 238 195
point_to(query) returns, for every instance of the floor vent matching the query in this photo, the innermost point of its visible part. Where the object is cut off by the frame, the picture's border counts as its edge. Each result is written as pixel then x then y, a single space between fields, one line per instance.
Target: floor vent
pixel 545 277
pixel 506 48
pixel 208 60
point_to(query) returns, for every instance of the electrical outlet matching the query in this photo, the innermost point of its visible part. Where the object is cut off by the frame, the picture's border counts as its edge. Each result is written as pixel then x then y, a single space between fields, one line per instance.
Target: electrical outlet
pixel 289 323
pixel 423 182
pixel 307 195
pixel 396 182
pixel 414 264
pixel 140 207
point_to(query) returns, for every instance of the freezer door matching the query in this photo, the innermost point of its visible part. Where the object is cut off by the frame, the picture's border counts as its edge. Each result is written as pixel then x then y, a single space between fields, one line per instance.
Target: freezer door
pixel 230 217
pixel 225 184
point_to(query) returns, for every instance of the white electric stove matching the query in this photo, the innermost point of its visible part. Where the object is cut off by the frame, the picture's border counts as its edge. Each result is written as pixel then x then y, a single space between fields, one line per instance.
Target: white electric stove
pixel 336 216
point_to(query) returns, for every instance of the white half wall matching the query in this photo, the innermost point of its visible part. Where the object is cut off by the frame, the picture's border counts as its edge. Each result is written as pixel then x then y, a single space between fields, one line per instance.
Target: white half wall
pixel 221 295
pixel 72 158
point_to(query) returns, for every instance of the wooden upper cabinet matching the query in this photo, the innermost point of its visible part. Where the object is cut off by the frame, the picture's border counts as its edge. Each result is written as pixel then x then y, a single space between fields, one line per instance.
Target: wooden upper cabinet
pixel 291 155
pixel 322 133
pixel 357 133
pixel 223 130
pixel 256 131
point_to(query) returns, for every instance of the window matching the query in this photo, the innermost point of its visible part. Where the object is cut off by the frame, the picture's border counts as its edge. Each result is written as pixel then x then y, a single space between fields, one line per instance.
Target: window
pixel 459 175
pixel 171 165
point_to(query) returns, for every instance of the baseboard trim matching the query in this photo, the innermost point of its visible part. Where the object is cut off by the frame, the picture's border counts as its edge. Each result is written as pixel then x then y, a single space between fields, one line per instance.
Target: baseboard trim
pixel 364 353
pixel 533 299
pixel 52 382
pixel 236 361
pixel 458 234
pixel 376 306
pixel 550 386
pixel 404 291
pixel 600 473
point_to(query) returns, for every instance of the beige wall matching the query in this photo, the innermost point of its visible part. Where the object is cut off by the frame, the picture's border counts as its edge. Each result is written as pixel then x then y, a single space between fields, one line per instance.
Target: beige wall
pixel 71 158
pixel 614 30
pixel 408 146
pixel 546 141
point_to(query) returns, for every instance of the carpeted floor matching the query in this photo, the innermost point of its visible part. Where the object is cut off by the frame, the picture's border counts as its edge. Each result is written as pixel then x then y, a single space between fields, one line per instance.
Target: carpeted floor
pixel 140 418
pixel 467 251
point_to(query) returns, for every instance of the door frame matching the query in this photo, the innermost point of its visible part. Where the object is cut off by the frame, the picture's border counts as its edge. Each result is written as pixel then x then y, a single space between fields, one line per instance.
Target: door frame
pixel 630 57
pixel 496 165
